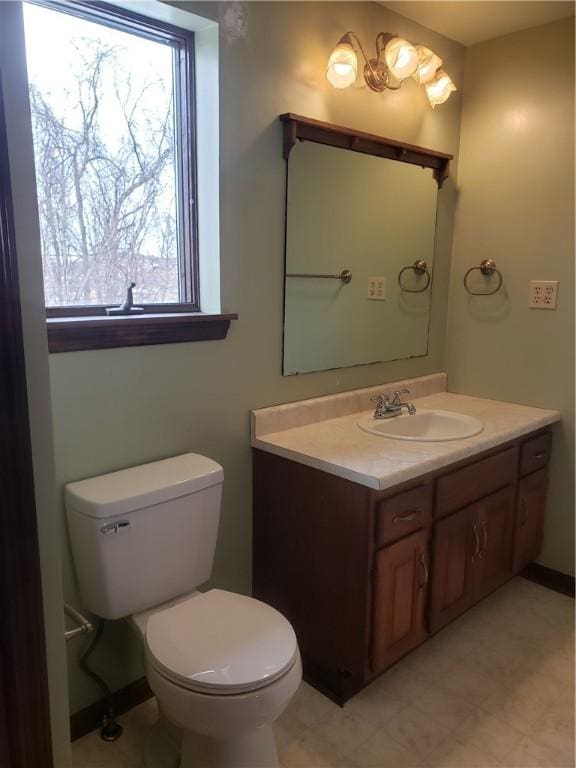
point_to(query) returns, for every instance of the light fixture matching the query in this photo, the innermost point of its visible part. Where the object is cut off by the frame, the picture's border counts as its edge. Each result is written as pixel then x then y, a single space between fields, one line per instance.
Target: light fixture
pixel 396 60
pixel 342 65
pixel 401 58
pixel 428 64
pixel 439 89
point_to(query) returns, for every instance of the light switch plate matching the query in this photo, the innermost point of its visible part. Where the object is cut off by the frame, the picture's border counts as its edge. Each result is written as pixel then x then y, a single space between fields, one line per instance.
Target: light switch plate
pixel 543 294
pixel 377 288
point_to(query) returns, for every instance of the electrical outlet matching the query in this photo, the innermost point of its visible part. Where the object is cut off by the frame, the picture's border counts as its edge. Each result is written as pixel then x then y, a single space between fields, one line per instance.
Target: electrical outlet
pixel 543 294
pixel 377 288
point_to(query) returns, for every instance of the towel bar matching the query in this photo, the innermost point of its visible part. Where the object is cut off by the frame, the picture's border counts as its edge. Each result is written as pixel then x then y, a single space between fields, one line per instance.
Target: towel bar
pixel 345 276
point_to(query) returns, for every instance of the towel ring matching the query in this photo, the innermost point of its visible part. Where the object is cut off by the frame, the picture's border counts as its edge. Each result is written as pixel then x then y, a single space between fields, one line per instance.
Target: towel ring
pixel 487 267
pixel 421 268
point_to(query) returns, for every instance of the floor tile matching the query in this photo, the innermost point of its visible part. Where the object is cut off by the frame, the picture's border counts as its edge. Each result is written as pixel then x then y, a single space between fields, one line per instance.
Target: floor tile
pixel 556 664
pixel 381 751
pixel 93 751
pixel 404 683
pixel 287 729
pixel 455 754
pixel 311 752
pixel 457 641
pixel 377 703
pixel 555 731
pixel 310 707
pixel 523 701
pixel 416 731
pixel 492 735
pixel 446 709
pixel 468 683
pixel 345 731
pixel 529 754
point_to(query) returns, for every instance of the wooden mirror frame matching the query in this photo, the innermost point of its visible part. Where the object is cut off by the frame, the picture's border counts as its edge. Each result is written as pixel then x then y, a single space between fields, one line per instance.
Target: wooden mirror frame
pixel 298 128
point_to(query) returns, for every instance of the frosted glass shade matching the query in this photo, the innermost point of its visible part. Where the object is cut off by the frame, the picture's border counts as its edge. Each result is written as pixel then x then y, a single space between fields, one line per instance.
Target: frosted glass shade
pixel 439 89
pixel 401 58
pixel 428 64
pixel 342 66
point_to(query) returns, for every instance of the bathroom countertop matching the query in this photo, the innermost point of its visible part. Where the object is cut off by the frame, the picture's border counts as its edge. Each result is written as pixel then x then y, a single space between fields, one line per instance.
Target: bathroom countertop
pixel 340 447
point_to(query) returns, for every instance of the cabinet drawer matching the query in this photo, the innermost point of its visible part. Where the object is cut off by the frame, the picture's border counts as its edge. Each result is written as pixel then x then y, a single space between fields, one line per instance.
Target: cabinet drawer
pixel 535 453
pixel 471 483
pixel 402 514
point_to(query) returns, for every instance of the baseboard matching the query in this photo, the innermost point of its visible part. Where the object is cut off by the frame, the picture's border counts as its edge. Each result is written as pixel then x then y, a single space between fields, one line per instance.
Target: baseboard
pixel 548 577
pixel 90 718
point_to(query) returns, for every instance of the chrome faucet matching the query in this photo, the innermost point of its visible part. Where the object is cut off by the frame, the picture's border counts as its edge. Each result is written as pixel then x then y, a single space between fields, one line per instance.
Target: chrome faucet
pixel 387 409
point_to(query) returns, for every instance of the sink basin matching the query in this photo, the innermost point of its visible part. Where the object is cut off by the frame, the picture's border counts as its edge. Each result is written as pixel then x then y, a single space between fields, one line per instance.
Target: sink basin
pixel 427 425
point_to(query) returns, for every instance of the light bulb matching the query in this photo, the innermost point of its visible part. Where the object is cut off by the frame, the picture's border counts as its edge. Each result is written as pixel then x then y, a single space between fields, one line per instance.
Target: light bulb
pixel 439 89
pixel 342 66
pixel 428 64
pixel 401 58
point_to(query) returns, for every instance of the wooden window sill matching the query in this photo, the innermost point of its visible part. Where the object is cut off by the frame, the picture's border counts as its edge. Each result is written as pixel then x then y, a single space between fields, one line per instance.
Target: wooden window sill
pixel 73 334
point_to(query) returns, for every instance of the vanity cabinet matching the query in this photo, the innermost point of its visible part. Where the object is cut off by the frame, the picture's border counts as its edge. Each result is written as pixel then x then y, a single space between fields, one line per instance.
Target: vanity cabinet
pixel 400 577
pixel 530 518
pixel 451 586
pixel 365 576
pixel 472 555
pixel 494 517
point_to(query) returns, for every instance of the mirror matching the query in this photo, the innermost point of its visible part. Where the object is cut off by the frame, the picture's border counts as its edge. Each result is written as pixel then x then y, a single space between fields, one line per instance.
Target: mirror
pixel 374 217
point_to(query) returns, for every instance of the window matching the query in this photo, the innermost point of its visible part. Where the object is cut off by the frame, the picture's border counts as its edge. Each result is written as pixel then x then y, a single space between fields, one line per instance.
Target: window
pixel 112 107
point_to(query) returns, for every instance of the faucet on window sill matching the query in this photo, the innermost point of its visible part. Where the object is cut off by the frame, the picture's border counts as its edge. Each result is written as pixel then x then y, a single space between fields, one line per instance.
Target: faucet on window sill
pixel 386 409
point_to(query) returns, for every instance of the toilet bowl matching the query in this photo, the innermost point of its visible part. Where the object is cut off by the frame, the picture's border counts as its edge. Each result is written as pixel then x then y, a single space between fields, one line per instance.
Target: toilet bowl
pixel 222 666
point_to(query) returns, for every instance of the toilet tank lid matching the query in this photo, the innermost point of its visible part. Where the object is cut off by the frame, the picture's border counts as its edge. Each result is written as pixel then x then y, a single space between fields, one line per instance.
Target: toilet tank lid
pixel 143 486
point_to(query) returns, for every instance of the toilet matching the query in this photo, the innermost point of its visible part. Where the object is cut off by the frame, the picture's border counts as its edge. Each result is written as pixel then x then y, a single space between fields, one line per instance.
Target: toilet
pixel 223 666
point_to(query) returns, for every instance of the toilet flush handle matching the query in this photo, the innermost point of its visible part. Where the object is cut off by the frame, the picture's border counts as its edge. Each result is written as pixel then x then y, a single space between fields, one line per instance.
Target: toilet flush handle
pixel 114 527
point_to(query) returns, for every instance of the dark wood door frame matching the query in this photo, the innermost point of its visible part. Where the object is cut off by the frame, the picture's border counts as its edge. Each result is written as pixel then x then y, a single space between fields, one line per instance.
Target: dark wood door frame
pixel 25 740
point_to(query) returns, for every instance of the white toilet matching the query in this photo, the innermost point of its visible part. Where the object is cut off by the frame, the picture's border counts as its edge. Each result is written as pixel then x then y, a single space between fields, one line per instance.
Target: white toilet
pixel 223 666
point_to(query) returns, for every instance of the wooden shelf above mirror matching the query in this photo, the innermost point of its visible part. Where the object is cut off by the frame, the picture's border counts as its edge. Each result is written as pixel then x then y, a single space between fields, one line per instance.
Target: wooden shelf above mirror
pixel 298 128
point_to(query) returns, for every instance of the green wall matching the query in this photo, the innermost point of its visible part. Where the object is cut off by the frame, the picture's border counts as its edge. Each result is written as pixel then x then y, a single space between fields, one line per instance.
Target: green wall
pixel 123 407
pixel 516 205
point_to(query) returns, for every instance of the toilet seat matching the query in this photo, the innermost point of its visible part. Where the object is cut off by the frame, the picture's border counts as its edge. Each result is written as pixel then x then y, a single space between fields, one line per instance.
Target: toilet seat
pixel 221 643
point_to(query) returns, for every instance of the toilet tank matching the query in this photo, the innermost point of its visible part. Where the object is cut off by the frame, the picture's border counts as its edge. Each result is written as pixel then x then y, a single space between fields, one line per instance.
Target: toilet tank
pixel 146 534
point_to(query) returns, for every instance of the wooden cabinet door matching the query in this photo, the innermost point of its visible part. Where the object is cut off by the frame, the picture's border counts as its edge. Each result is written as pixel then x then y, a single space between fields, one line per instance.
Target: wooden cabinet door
pixel 494 517
pixel 400 579
pixel 529 525
pixel 454 549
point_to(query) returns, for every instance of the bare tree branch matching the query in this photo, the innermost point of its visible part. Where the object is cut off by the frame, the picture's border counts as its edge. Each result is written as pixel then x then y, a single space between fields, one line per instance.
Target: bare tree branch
pixel 106 193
